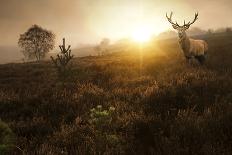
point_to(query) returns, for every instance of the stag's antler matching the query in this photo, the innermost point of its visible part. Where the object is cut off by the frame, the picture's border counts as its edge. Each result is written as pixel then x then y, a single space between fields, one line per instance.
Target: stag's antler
pixel 190 23
pixel 175 25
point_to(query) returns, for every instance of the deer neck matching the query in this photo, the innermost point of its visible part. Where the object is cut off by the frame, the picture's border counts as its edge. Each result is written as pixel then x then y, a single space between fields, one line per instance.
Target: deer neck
pixel 185 43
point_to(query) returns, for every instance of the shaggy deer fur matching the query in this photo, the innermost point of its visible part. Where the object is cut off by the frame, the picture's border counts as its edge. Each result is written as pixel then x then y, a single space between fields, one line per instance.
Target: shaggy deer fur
pixel 192 48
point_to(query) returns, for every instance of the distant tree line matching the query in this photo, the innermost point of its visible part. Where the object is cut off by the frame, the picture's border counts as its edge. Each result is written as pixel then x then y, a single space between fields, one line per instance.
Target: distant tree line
pixel 36 43
pixel 221 30
pixel 102 48
pixel 195 31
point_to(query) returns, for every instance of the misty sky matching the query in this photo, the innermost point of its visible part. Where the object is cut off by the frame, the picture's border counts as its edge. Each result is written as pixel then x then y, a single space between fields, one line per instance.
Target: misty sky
pixel 87 21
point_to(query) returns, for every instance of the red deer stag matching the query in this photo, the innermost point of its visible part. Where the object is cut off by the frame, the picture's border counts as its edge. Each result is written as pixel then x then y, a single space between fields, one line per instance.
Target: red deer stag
pixel 192 48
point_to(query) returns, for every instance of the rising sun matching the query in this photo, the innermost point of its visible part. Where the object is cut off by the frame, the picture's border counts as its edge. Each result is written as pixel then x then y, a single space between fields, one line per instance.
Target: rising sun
pixel 142 34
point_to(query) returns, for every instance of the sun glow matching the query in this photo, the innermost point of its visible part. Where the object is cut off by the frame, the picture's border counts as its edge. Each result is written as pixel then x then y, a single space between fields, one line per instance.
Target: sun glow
pixel 142 34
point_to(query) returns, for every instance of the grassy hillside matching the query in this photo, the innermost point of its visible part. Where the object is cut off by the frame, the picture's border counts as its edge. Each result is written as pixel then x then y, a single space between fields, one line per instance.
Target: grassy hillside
pixel 145 100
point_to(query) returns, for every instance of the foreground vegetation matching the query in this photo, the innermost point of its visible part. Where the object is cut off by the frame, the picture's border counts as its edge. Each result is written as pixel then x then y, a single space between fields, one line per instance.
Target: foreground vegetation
pixel 145 100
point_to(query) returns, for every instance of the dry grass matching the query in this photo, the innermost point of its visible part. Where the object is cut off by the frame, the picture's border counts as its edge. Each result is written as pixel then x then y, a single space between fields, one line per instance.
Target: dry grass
pixel 162 105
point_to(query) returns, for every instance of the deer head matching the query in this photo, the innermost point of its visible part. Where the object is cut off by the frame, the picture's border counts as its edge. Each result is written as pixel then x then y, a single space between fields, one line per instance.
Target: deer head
pixel 181 29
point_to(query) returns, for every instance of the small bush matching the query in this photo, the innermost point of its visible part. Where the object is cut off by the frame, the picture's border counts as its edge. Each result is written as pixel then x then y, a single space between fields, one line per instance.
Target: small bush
pixel 62 61
pixel 106 138
pixel 6 138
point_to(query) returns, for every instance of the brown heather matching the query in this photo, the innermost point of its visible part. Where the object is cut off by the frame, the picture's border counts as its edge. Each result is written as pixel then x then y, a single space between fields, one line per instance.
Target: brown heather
pixel 162 106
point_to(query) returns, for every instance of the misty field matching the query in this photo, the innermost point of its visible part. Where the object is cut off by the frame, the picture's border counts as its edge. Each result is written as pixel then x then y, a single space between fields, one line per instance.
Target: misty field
pixel 143 100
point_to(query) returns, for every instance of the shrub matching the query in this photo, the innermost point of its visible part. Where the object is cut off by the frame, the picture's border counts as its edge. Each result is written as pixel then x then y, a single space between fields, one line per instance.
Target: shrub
pixel 6 138
pixel 62 61
pixel 106 138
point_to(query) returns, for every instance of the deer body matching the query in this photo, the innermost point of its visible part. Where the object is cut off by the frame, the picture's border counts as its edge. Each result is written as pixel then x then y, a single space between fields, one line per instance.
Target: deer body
pixel 191 48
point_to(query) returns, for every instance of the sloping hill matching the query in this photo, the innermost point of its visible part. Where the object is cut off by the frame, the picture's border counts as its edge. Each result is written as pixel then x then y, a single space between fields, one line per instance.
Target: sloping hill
pixel 152 102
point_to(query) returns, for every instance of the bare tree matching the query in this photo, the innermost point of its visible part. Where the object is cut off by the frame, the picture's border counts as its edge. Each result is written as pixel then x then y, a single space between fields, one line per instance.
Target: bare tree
pixel 210 31
pixel 36 42
pixel 98 50
pixel 104 46
pixel 105 42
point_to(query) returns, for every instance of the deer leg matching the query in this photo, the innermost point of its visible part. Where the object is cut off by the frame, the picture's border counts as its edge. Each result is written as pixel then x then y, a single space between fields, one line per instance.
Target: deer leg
pixel 206 54
pixel 188 59
pixel 201 59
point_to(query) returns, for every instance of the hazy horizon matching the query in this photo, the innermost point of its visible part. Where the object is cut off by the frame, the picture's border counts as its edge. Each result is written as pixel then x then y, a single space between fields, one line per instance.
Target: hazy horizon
pixel 87 21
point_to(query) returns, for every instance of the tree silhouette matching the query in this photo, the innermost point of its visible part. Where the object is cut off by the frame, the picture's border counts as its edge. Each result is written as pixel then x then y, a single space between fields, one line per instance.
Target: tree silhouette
pixel 36 42
pixel 62 60
pixel 102 48
pixel 98 50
